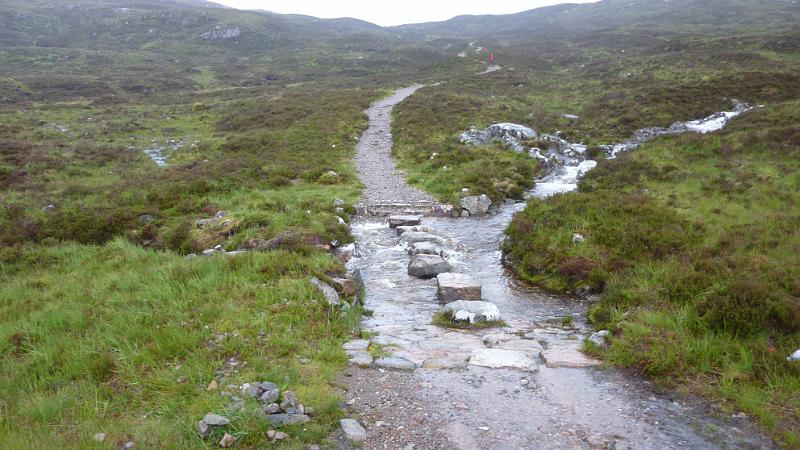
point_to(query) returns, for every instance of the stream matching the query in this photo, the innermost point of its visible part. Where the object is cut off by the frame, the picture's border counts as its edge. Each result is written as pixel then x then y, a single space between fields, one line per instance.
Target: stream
pixel 527 385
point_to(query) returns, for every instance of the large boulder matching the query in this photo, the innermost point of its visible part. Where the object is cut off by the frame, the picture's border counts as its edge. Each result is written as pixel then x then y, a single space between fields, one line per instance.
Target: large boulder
pixel 473 312
pixel 427 266
pixel 475 206
pixel 457 286
pixel 510 134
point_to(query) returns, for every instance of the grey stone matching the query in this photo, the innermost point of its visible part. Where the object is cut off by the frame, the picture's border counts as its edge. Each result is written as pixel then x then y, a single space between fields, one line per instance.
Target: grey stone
pixel 427 266
pixel 338 203
pixel 358 344
pixel 404 221
pixel 251 390
pixel 510 134
pixel 222 32
pixel 794 357
pixel 360 358
pixel 444 211
pixel 476 206
pixel 288 419
pixel 330 293
pixel 411 237
pixel 425 248
pixel 473 312
pixel 345 286
pixel 267 386
pixel 99 437
pixel 214 251
pixel 353 430
pixel 216 420
pixel 447 362
pixel 202 428
pixel 395 362
pixel 270 396
pixel 290 401
pixel 272 408
pixel 457 286
pixel 578 238
pixel 599 338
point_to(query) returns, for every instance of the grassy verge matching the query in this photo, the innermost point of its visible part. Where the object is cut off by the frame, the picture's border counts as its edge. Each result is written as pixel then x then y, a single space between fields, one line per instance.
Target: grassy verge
pixel 125 340
pixel 692 243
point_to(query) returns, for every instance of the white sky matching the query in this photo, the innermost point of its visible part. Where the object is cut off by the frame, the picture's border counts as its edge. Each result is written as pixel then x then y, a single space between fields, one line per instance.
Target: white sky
pixel 388 13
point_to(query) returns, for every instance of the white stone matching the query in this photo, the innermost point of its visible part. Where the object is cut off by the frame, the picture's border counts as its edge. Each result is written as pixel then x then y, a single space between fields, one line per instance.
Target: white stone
pixel 794 357
pixel 473 311
pixel 599 338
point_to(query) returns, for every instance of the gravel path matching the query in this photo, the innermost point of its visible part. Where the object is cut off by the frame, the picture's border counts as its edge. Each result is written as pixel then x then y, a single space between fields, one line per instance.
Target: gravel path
pixel 384 184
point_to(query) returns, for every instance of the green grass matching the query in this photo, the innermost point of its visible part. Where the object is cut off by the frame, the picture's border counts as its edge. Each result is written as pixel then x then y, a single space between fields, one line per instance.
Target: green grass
pixel 690 240
pixel 446 319
pixel 124 340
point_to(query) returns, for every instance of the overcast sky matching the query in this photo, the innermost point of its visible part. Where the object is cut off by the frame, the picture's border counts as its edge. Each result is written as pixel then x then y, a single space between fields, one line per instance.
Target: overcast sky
pixel 395 12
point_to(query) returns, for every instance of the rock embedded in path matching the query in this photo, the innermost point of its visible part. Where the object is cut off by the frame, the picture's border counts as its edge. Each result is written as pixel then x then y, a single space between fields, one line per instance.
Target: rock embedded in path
pixel 427 266
pixel 567 357
pixel 360 358
pixel 353 430
pixel 404 221
pixel 395 363
pixel 330 293
pixel 451 361
pixel 475 206
pixel 457 286
pixel 497 359
pixel 473 311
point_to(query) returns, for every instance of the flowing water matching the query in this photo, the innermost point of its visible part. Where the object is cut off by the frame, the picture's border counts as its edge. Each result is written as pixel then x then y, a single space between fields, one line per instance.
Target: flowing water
pixel 565 400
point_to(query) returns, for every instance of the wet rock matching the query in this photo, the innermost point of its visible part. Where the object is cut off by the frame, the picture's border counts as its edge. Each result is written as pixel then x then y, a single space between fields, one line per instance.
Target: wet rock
pixel 360 358
pixel 498 358
pixel 404 221
pixel 345 286
pixel 330 293
pixel 228 440
pixel 425 248
pixel 567 356
pixel 427 266
pixel 444 211
pixel 396 363
pixel 510 134
pixel 413 237
pixel 794 357
pixel 353 430
pixel 599 338
pixel 447 362
pixel 578 239
pixel 457 286
pixel 473 311
pixel 476 206
pixel 280 420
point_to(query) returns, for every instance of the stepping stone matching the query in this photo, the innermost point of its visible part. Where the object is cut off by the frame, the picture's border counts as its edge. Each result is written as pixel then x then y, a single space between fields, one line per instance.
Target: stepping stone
pixel 412 237
pixel 427 266
pixel 425 248
pixel 396 363
pixel 404 221
pixel 457 286
pixel 568 357
pixel 499 359
pixel 446 362
pixel 360 358
pixel 472 311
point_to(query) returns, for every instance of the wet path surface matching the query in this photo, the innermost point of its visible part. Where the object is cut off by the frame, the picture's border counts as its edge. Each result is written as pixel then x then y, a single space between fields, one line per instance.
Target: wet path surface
pixel 447 397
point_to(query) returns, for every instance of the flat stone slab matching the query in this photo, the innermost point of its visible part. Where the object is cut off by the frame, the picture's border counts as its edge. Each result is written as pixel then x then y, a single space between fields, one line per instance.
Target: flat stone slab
pixel 499 359
pixel 425 248
pixel 457 286
pixel 353 430
pixel 447 362
pixel 569 357
pixel 395 363
pixel 404 221
pixel 360 358
pixel 411 237
pixel 427 266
